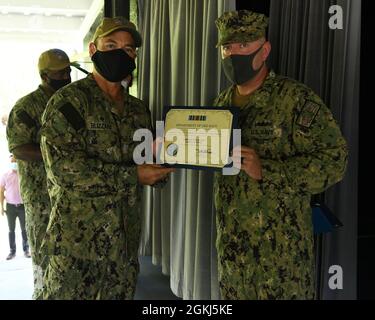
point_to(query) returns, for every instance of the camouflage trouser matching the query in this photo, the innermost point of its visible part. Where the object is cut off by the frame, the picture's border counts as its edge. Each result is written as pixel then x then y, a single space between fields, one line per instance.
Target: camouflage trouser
pixel 37 217
pixel 69 278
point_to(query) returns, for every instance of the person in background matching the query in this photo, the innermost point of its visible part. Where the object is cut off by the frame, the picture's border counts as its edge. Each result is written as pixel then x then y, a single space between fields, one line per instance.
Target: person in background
pixel 10 192
pixel 23 134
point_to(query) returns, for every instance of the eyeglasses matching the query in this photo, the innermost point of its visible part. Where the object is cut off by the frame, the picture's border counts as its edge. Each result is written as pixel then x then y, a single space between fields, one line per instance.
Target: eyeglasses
pixel 131 50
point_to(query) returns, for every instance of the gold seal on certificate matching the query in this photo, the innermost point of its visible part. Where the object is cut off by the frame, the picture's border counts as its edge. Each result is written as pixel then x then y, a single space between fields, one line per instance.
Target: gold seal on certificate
pixel 198 138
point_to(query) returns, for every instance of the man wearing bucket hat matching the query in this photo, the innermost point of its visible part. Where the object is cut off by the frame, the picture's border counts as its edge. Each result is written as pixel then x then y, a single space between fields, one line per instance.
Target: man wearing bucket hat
pixel 94 184
pixel 291 149
pixel 23 134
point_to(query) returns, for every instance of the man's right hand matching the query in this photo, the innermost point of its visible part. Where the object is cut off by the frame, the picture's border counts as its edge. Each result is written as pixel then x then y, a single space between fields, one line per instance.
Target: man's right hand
pixel 149 174
pixel 2 211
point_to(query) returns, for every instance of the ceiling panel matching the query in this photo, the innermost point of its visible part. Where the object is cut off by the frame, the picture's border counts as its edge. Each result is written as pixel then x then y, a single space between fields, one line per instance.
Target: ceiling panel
pixel 47 18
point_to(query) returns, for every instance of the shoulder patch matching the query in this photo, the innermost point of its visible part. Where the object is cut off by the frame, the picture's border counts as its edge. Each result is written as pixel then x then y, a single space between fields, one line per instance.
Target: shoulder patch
pixel 26 119
pixel 72 116
pixel 308 114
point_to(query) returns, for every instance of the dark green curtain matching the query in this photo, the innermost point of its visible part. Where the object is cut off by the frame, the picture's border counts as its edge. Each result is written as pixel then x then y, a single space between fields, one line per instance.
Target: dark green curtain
pixel 306 49
pixel 179 64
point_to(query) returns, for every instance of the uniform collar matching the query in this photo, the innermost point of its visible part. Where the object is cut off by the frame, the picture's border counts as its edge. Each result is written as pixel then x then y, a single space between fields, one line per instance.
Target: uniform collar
pixel 100 95
pixel 260 97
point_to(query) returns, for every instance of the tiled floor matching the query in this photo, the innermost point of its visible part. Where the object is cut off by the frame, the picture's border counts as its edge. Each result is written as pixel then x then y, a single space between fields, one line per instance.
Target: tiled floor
pixel 152 284
pixel 16 278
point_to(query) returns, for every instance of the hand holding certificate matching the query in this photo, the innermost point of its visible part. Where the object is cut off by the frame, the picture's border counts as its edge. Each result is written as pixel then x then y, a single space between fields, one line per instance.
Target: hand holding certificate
pixel 199 138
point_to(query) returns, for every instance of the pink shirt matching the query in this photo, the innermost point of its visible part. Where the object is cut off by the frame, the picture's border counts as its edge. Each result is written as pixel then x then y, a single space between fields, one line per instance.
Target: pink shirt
pixel 9 181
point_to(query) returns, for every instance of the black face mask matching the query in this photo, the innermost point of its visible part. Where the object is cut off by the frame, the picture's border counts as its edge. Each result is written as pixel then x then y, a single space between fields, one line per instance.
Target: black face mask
pixel 58 84
pixel 239 68
pixel 114 65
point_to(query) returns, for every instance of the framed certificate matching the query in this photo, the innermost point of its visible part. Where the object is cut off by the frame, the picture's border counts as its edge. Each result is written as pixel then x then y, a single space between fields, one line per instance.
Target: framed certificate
pixel 198 138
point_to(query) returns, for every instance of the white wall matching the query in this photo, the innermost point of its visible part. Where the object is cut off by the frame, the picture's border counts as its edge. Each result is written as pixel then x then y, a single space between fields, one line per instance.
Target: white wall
pixel 19 74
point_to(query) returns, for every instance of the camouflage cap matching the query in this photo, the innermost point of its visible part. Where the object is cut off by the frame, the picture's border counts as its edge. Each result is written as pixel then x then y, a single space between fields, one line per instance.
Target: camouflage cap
pixel 53 60
pixel 110 25
pixel 241 26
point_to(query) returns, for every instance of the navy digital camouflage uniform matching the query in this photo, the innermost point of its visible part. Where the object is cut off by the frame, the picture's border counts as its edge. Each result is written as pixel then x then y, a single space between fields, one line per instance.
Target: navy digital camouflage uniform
pixel 94 229
pixel 24 128
pixel 265 235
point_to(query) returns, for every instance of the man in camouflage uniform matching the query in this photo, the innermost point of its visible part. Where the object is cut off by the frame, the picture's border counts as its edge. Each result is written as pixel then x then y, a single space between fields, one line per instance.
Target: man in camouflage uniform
pixel 95 187
pixel 23 134
pixel 291 149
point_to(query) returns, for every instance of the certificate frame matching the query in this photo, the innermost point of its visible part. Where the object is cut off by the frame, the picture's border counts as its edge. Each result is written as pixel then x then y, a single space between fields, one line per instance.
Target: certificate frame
pixel 234 125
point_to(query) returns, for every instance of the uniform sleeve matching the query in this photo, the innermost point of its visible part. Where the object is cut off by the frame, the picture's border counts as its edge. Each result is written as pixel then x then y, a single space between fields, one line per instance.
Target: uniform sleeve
pixel 67 163
pixel 21 128
pixel 321 156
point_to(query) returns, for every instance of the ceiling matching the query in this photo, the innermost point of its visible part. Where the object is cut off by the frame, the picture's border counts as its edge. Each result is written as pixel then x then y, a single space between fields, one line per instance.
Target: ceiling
pixel 48 20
